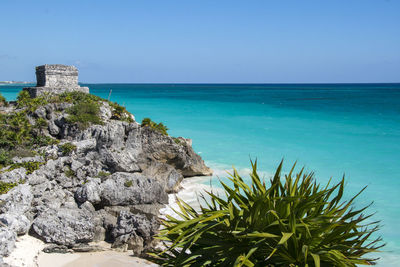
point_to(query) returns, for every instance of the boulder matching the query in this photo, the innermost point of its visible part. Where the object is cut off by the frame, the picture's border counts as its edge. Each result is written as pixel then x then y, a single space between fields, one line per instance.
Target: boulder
pixel 18 200
pixel 161 148
pixel 7 240
pixel 16 222
pixel 14 176
pixel 165 174
pixel 64 226
pixel 135 230
pixel 122 189
pixel 131 189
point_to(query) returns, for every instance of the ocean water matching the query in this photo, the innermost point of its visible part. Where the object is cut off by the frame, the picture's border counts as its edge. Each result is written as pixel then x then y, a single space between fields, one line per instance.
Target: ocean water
pixel 331 129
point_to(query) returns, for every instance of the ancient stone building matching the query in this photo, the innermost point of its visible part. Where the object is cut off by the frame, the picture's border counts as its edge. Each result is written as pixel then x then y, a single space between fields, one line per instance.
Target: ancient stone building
pixel 56 79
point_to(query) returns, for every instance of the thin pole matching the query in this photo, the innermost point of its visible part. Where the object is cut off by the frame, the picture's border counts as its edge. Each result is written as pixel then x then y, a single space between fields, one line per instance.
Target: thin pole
pixel 109 94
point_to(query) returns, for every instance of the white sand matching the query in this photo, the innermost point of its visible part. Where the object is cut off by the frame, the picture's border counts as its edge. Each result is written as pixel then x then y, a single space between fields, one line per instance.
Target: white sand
pixel 95 259
pixel 28 251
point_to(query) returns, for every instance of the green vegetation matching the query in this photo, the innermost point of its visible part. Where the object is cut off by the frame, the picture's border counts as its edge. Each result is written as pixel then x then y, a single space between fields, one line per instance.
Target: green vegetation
pixel 293 222
pixel 24 100
pixel 41 124
pixel 69 173
pixel 43 140
pixel 67 148
pixel 128 183
pixel 21 133
pixel 29 166
pixel 103 174
pixel 5 187
pixel 120 112
pixel 159 127
pixel 3 101
pixel 84 114
pixel 177 141
pixel 5 158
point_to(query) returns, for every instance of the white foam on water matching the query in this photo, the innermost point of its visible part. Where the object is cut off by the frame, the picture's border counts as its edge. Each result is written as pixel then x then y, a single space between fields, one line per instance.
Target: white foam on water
pixel 192 189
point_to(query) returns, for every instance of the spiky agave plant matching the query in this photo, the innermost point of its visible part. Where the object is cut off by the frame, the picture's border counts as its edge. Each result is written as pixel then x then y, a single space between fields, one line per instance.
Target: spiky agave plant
pixel 293 222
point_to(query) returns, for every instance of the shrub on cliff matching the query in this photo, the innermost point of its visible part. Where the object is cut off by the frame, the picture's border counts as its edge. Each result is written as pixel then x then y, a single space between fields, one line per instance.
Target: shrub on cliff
pixel 159 127
pixel 24 100
pixel 67 148
pixel 3 101
pixel 5 187
pixel 293 222
pixel 119 112
pixel 84 114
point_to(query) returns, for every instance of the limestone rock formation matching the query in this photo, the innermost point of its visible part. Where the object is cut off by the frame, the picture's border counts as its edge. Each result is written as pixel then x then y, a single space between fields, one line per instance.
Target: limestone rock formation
pixel 55 79
pixel 107 186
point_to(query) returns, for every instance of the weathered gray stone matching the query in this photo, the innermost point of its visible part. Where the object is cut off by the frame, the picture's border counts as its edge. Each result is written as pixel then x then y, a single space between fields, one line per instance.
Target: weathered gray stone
pixel 17 200
pixel 161 148
pixel 136 230
pixel 17 222
pixel 165 174
pixel 55 79
pixel 7 240
pixel 122 189
pixel 28 159
pixel 85 145
pixel 13 176
pixel 131 189
pixel 69 201
pixel 105 111
pixel 64 226
pixel 90 191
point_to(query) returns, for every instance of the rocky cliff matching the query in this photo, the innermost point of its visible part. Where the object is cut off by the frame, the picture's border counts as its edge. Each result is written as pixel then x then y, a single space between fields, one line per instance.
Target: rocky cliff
pixel 77 169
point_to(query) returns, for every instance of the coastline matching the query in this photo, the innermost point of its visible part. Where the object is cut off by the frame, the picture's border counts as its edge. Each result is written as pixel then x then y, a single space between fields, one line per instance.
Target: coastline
pixel 28 251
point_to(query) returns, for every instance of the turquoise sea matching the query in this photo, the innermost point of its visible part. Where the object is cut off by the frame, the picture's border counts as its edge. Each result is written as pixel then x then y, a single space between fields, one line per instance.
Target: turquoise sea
pixel 332 129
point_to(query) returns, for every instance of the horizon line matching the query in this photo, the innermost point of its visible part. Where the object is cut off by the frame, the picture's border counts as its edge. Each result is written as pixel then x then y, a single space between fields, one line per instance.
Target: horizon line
pixel 244 83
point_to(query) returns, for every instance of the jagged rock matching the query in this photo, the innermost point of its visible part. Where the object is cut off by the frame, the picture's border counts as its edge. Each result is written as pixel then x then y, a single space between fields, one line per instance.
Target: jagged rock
pixel 88 206
pixel 50 152
pixel 18 200
pixel 64 226
pixel 85 145
pixel 158 147
pixel 153 209
pixel 53 128
pixel 118 170
pixel 165 174
pixel 131 189
pixel 16 222
pixel 105 111
pixel 99 234
pixel 48 196
pixel 136 230
pixel 13 176
pixel 122 189
pixel 7 240
pixel 28 159
pixel 90 192
pixel 105 220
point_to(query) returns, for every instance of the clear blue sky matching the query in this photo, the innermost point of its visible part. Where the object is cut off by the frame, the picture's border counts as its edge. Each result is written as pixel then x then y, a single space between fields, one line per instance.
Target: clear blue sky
pixel 266 41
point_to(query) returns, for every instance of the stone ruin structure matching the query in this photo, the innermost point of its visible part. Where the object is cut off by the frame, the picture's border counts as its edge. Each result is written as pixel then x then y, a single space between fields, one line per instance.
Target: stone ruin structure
pixel 56 79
